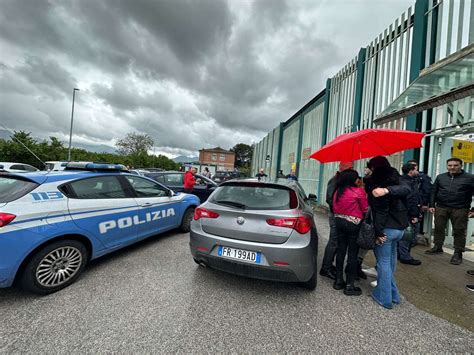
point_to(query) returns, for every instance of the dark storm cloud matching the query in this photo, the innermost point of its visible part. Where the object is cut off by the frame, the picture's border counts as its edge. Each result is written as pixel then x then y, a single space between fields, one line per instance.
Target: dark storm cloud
pixel 191 73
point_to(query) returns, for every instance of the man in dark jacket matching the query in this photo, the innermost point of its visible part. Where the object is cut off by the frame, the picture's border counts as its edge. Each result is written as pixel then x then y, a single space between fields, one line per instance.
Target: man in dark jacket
pixel 425 185
pixel 327 268
pixel 414 202
pixel 451 200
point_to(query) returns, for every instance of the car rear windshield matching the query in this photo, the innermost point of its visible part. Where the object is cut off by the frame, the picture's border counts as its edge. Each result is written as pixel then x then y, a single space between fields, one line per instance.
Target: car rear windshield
pixel 255 197
pixel 12 188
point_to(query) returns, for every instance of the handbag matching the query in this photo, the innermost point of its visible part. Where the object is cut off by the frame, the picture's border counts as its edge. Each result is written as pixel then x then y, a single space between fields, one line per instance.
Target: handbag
pixel 366 237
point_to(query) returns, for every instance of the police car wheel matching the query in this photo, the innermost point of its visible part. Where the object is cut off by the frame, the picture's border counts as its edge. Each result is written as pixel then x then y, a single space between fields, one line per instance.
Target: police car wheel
pixel 185 226
pixel 54 267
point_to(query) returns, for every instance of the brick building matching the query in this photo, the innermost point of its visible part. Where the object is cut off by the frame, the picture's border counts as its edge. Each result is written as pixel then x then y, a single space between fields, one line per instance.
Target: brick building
pixel 224 159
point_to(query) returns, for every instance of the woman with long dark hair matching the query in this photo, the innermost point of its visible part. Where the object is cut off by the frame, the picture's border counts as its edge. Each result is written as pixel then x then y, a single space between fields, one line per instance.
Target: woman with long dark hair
pixel 349 206
pixel 387 200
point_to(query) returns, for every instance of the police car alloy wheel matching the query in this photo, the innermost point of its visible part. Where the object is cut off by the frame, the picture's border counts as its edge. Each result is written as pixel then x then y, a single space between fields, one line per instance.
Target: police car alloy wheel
pixel 186 222
pixel 54 267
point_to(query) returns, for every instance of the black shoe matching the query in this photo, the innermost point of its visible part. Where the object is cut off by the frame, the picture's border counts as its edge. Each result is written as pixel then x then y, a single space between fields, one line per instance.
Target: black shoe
pixel 411 262
pixel 470 272
pixel 470 288
pixel 352 290
pixel 457 258
pixel 339 285
pixel 434 250
pixel 330 273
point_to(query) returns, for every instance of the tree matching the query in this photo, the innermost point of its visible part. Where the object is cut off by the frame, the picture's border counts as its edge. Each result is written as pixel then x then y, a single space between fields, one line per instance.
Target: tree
pixel 243 155
pixel 135 144
pixel 136 147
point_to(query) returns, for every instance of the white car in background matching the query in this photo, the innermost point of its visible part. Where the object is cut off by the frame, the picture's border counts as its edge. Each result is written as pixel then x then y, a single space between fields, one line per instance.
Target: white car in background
pixel 55 165
pixel 17 167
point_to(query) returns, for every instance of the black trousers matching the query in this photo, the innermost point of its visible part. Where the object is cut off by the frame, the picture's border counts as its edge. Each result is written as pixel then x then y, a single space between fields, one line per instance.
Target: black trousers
pixel 347 233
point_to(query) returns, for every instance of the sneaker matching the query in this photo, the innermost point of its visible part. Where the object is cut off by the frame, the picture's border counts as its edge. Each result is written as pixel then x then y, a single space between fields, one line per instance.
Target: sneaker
pixel 371 272
pixel 373 283
pixel 434 250
pixel 330 273
pixel 411 262
pixel 339 285
pixel 457 258
pixel 352 290
pixel 470 288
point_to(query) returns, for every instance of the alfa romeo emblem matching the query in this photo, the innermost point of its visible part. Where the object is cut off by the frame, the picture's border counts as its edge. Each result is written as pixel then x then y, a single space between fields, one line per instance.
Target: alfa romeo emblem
pixel 240 220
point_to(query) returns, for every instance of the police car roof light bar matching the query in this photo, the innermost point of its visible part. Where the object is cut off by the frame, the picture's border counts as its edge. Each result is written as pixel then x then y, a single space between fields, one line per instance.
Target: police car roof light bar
pixel 95 166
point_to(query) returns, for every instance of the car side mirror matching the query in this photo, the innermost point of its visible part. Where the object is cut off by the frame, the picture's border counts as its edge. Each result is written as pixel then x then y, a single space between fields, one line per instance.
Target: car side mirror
pixel 312 198
pixel 171 193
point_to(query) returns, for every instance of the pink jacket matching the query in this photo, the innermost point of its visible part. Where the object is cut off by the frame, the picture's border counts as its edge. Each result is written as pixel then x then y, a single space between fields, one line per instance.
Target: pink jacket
pixel 353 202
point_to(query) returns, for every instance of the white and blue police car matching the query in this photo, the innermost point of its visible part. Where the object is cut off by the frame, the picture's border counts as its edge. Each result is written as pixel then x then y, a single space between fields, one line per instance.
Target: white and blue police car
pixel 53 223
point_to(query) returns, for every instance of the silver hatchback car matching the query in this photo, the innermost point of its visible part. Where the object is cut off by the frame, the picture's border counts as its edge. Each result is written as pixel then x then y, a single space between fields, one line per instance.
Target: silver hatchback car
pixel 258 229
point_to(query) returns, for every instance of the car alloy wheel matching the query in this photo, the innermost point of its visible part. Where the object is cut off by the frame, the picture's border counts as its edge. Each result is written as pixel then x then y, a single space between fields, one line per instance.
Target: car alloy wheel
pixel 59 266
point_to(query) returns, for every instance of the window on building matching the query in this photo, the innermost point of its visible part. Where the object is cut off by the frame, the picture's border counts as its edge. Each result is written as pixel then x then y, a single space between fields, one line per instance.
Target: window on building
pixel 214 156
pixel 221 157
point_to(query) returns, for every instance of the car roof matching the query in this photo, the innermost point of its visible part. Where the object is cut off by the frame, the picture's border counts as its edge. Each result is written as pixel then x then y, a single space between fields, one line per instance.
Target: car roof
pixel 10 163
pixel 281 182
pixel 41 177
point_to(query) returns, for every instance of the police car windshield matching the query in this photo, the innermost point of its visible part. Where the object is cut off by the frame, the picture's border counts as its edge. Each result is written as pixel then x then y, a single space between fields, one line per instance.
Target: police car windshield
pixel 12 188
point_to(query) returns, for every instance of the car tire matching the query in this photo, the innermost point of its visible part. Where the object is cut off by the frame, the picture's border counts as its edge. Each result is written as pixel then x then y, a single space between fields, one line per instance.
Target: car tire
pixel 313 281
pixel 54 267
pixel 185 226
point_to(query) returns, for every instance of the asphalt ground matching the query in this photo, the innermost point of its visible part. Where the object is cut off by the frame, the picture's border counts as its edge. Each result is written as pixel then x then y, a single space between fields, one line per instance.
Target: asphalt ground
pixel 152 297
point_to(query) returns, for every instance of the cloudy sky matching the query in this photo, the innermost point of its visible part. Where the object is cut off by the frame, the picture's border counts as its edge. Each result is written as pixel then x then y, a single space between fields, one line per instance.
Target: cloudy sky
pixel 190 73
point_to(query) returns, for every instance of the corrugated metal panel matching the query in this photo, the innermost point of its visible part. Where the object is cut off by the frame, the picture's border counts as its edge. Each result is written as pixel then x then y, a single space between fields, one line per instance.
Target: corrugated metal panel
pixel 289 146
pixel 308 174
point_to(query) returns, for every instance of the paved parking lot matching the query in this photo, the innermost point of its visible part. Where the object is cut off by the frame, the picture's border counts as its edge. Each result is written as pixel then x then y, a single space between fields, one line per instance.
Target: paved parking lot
pixel 153 297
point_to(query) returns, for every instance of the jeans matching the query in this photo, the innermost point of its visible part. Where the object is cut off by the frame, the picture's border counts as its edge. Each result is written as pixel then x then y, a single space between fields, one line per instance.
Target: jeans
pixel 386 291
pixel 331 246
pixel 347 233
pixel 459 220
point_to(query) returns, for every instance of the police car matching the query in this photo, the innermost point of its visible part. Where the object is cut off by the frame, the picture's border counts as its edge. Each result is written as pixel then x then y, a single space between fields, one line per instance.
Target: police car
pixel 53 223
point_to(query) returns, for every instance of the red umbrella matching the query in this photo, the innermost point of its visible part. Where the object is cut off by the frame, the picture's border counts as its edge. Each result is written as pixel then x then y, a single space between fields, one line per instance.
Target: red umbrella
pixel 367 143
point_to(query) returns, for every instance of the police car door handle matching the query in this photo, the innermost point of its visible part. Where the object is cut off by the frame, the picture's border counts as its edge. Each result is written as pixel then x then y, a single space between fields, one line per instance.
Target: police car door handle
pixel 148 204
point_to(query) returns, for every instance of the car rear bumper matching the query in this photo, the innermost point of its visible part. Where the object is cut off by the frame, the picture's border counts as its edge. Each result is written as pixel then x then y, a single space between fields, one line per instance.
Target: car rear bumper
pixel 299 252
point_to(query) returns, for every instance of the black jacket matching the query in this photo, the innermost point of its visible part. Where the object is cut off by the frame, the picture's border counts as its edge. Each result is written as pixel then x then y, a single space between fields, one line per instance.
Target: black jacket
pixel 389 211
pixel 330 190
pixel 414 198
pixel 453 191
pixel 425 186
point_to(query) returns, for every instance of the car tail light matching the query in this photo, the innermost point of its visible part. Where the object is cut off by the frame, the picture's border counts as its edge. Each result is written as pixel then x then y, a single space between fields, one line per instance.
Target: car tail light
pixel 204 213
pixel 6 218
pixel 300 224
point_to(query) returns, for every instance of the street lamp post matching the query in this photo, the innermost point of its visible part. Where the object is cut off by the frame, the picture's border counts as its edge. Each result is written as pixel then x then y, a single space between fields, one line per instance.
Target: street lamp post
pixel 72 119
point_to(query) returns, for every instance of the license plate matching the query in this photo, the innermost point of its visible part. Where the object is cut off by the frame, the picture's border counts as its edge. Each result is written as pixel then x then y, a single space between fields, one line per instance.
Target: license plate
pixel 239 254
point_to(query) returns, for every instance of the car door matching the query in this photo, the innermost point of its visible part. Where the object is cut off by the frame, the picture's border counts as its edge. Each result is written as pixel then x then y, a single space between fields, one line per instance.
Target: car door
pixel 103 208
pixel 203 188
pixel 158 208
pixel 175 181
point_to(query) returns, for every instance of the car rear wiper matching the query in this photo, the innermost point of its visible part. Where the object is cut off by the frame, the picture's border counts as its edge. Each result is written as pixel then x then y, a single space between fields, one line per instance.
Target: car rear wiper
pixel 231 203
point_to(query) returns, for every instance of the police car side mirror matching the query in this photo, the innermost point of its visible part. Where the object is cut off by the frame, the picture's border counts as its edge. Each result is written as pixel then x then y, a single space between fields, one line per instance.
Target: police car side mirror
pixel 171 193
pixel 313 197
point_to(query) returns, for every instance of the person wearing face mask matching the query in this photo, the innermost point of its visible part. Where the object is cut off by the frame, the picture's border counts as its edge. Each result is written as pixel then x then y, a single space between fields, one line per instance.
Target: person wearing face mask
pixel 451 199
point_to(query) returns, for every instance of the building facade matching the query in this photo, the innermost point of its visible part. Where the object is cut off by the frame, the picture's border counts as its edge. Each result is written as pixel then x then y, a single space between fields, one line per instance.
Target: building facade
pixel 418 74
pixel 223 159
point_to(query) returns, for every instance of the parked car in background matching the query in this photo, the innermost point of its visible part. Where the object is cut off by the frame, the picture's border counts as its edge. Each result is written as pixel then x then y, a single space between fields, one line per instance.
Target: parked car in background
pixel 222 176
pixel 53 223
pixel 17 167
pixel 140 172
pixel 55 165
pixel 263 230
pixel 175 181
